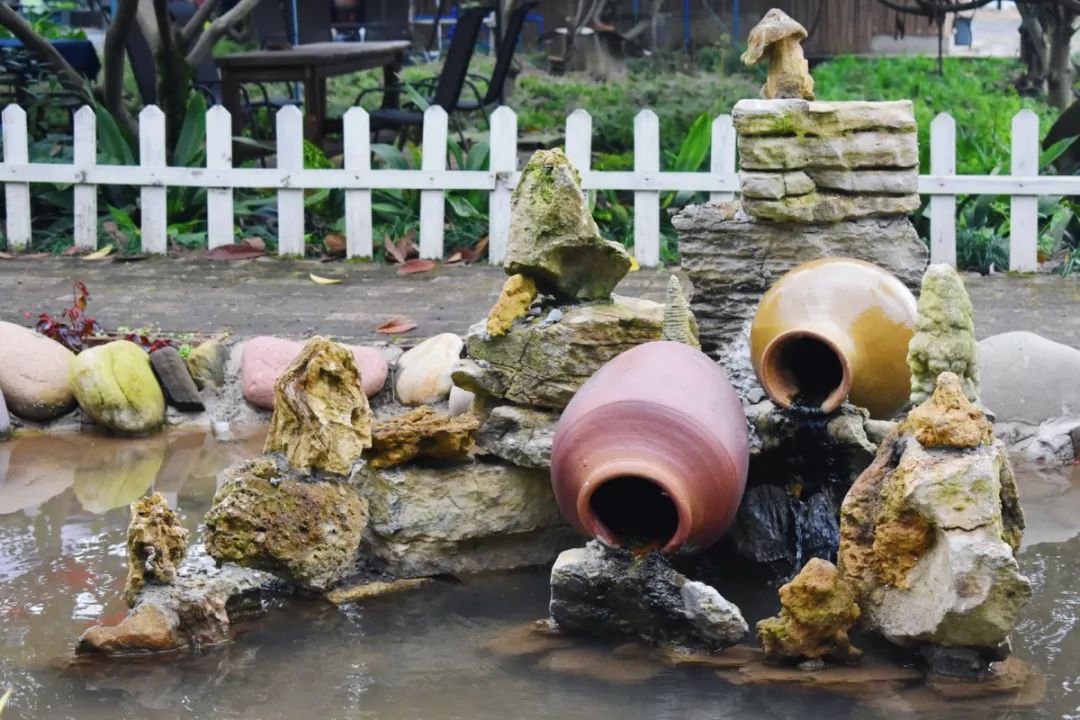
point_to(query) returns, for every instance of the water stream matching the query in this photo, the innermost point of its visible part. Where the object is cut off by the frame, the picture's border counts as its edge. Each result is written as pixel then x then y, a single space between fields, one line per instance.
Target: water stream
pixel 417 655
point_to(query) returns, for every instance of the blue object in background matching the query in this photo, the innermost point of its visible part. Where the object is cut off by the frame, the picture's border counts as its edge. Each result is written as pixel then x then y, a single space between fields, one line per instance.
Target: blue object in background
pixel 80 54
pixel 962 31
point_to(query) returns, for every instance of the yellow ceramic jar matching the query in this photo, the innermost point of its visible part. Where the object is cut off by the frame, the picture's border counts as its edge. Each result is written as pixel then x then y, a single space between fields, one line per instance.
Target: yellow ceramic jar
pixel 832 329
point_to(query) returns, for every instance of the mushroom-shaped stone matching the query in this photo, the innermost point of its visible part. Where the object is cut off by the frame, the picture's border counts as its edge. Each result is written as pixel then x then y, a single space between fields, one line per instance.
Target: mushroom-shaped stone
pixel 776 38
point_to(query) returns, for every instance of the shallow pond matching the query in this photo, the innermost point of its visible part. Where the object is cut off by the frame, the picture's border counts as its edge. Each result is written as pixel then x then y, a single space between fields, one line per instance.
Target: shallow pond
pixel 423 654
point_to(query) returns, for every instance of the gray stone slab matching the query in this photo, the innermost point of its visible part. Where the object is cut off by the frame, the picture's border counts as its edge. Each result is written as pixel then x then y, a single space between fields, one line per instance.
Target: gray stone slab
pixel 801 117
pixel 872 149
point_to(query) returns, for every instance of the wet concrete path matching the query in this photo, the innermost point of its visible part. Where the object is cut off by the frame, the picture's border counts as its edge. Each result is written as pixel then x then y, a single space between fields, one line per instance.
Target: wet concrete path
pixel 270 296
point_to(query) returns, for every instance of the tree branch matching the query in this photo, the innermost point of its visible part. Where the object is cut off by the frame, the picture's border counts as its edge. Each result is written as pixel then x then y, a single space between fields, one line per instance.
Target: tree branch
pixel 197 21
pixel 218 28
pixel 115 50
pixel 35 43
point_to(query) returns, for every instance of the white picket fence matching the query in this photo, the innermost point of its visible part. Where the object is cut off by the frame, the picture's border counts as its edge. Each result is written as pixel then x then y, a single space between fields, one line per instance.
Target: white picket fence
pixel 433 179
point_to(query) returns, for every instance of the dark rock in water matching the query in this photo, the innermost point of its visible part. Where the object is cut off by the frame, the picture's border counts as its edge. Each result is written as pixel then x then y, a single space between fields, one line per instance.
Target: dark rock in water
pixel 611 592
pixel 958 662
pixel 762 531
pixel 5 418
pixel 172 373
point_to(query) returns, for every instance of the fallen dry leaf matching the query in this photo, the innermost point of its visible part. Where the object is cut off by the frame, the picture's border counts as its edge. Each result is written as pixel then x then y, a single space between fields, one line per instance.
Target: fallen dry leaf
pixel 320 280
pixel 254 241
pixel 476 252
pixel 75 250
pixel 99 254
pixel 395 326
pixel 114 231
pixel 455 258
pixel 392 250
pixel 334 244
pixel 237 251
pixel 416 266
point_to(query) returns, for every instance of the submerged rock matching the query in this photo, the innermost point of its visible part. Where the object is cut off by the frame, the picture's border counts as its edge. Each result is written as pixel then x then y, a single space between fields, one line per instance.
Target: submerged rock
pixel 818 609
pixel 603 591
pixel 206 363
pixel 553 237
pixel 156 545
pixel 421 432
pixel 195 610
pixel 176 381
pixel 423 372
pixel 35 373
pixel 467 518
pixel 944 338
pixel 928 533
pixel 268 518
pixel 116 388
pixel 321 419
pixel 517 295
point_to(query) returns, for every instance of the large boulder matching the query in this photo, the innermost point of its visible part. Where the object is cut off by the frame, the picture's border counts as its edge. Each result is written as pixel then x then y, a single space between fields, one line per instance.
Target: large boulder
pixel 265 358
pixel 1026 377
pixel 459 519
pixel 156 545
pixel 553 237
pixel 944 339
pixel 929 532
pixel 321 419
pixel 423 372
pixel 603 591
pixel 544 360
pixel 116 388
pixel 35 373
pixel 268 518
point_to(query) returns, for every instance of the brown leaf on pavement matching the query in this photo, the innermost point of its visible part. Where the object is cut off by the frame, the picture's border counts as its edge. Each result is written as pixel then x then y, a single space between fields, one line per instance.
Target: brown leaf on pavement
pixel 395 326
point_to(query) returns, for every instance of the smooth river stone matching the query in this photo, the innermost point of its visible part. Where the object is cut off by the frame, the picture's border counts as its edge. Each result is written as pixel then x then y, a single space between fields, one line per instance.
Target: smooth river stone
pixel 35 373
pixel 265 358
pixel 117 389
pixel 845 152
pixel 176 381
pixel 424 371
pixel 800 117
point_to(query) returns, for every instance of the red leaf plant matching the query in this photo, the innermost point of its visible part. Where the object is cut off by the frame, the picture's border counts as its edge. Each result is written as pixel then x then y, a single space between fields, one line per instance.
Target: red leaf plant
pixel 73 326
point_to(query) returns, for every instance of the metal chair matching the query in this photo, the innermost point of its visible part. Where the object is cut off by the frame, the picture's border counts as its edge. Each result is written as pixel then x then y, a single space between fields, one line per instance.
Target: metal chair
pixel 504 58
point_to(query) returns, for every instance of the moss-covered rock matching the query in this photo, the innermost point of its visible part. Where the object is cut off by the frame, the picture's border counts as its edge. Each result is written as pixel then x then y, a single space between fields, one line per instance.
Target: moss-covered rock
pixel 817 611
pixel 421 432
pixel 156 545
pixel 321 420
pixel 268 518
pixel 948 419
pixel 517 295
pixel 116 388
pixel 944 339
pixel 553 237
pixel 206 363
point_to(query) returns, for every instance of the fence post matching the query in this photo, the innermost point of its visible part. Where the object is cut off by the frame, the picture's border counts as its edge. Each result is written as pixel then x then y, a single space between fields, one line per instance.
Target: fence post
pixel 219 201
pixel 723 154
pixel 290 156
pixel 1024 213
pixel 579 141
pixel 16 195
pixel 503 162
pixel 943 207
pixel 358 240
pixel 84 219
pixel 646 202
pixel 432 202
pixel 153 198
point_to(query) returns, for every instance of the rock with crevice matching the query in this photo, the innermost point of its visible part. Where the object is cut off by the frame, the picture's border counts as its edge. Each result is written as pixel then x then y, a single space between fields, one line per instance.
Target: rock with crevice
pixel 321 420
pixel 519 435
pixel 596 590
pixel 156 545
pixel 421 432
pixel 944 339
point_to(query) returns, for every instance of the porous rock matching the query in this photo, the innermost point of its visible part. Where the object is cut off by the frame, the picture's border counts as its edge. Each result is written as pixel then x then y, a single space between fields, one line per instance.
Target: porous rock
pixel 206 364
pixel 817 611
pixel 268 518
pixel 423 372
pixel 948 419
pixel 265 358
pixel 116 388
pixel 35 373
pixel 517 295
pixel 553 237
pixel 944 339
pixel 519 435
pixel 156 545
pixel 321 419
pixel 172 373
pixel 597 590
pixel 472 517
pixel 544 363
pixel 421 432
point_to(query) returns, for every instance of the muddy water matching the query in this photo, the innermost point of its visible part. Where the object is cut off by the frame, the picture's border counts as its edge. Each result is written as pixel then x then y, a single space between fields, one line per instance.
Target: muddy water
pixel 419 655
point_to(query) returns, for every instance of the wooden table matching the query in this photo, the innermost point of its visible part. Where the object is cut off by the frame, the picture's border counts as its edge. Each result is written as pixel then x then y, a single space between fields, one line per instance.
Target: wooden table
pixel 310 64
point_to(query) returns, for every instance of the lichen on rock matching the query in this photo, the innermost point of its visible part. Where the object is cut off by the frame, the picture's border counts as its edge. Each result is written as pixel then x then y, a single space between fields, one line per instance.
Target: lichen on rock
pixel 553 237
pixel 321 420
pixel 156 545
pixel 422 431
pixel 944 338
pixel 948 419
pixel 679 323
pixel 777 38
pixel 818 609
pixel 517 295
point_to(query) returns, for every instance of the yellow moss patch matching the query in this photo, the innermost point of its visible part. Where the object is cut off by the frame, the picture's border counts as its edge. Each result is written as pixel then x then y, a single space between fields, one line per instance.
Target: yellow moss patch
pixel 517 295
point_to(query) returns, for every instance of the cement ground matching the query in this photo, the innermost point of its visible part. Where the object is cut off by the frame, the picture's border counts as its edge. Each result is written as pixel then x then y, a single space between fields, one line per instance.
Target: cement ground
pixel 276 297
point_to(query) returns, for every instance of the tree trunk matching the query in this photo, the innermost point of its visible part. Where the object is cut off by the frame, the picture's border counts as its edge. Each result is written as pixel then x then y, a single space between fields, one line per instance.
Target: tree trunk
pixel 174 74
pixel 69 77
pixel 1060 73
pixel 115 52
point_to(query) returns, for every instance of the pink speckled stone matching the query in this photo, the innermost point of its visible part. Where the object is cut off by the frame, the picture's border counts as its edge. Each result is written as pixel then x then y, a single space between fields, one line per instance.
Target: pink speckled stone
pixel 265 358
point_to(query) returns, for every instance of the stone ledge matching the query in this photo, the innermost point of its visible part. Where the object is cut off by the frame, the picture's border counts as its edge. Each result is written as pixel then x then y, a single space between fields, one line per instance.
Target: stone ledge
pixel 754 117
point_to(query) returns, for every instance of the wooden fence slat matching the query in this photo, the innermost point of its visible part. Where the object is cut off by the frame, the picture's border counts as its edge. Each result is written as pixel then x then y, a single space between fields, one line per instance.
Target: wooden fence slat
pixel 943 207
pixel 358 232
pixel 153 200
pixel 85 210
pixel 1024 214
pixel 647 203
pixel 433 202
pixel 723 153
pixel 579 140
pixel 16 194
pixel 290 156
pixel 220 219
pixel 503 162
